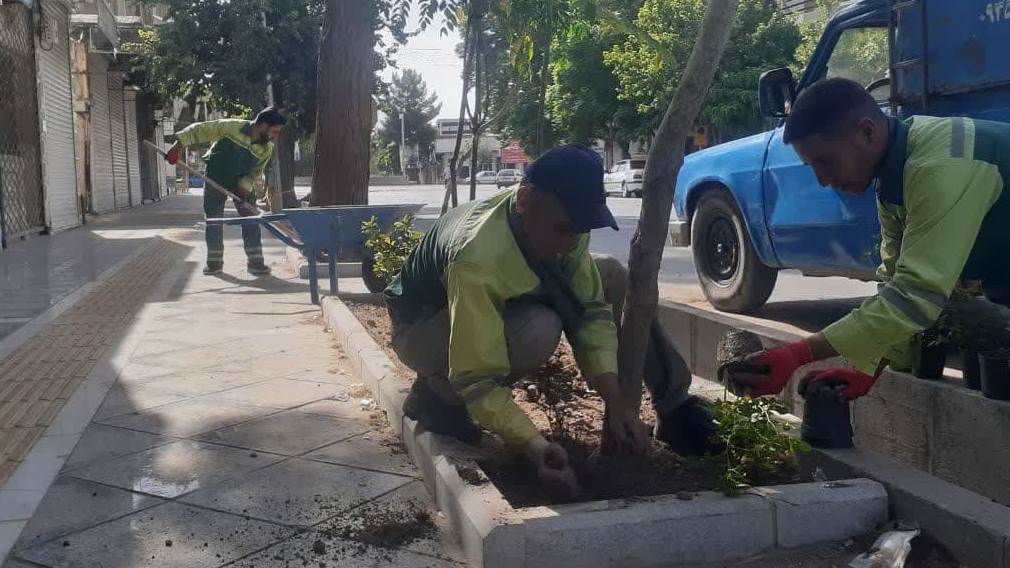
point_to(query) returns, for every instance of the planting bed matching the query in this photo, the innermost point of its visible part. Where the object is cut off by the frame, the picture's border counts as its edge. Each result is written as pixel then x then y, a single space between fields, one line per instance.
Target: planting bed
pixel 652 511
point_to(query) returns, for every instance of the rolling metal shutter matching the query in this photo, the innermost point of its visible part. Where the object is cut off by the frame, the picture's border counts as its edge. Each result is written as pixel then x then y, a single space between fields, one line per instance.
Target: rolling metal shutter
pixel 59 170
pixel 132 145
pixel 102 184
pixel 21 199
pixel 117 129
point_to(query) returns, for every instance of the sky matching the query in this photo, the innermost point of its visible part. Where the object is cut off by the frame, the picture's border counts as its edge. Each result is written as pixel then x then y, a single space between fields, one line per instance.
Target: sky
pixel 434 57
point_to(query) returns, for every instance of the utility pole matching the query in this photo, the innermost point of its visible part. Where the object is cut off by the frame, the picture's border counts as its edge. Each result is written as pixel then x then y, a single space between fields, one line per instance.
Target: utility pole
pixel 403 144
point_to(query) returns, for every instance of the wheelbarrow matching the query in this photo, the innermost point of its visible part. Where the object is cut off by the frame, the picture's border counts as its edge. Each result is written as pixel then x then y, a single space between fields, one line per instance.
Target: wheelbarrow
pixel 336 229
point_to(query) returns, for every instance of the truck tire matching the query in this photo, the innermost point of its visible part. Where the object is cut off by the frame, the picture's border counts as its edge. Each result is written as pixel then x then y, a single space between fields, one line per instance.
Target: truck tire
pixel 732 276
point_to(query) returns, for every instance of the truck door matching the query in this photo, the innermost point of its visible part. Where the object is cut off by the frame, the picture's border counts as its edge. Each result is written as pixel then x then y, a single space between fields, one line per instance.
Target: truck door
pixel 818 229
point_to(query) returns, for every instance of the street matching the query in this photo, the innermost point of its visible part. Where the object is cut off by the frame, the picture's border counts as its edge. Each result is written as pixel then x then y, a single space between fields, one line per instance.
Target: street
pixel 805 303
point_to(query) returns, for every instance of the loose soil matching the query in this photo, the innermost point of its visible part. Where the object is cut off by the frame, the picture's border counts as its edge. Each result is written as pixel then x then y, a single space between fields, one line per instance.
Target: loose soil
pixel 569 412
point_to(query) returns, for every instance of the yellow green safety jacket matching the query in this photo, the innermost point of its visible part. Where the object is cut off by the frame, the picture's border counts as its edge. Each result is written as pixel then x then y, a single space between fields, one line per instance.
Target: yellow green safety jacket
pixel 234 160
pixel 944 215
pixel 472 262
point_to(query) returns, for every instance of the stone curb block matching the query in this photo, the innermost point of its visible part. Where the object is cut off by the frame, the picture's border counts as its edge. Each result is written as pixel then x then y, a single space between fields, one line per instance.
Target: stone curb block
pixel 633 532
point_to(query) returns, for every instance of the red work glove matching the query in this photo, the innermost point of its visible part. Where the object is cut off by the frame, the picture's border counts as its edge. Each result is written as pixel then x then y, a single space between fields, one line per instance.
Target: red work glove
pixel 856 383
pixel 172 156
pixel 768 372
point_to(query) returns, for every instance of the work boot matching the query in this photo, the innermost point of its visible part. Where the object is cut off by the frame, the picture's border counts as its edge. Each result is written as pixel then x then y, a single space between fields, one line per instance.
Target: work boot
pixel 689 429
pixel 434 414
pixel 213 268
pixel 258 268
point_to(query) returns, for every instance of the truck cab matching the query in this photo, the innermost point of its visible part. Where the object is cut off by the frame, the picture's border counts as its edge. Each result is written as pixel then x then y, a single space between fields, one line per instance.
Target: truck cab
pixel 750 207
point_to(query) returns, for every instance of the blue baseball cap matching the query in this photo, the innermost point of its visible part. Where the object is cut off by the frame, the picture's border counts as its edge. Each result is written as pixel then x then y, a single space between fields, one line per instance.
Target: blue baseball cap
pixel 574 173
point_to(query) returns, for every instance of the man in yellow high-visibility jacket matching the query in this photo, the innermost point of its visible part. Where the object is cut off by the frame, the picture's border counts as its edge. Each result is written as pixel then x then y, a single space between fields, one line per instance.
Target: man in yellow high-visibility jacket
pixel 944 215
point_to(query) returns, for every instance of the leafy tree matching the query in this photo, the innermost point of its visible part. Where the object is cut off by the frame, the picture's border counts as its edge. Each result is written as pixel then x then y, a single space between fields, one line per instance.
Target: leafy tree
pixel 648 72
pixel 230 52
pixel 861 50
pixel 408 94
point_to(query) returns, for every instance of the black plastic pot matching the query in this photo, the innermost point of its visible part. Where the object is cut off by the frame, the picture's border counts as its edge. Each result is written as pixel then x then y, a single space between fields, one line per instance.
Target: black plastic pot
pixel 995 376
pixel 971 369
pixel 931 361
pixel 826 422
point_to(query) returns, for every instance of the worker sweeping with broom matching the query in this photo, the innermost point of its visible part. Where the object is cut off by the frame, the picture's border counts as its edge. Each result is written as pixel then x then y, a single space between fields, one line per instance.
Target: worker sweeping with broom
pixel 239 153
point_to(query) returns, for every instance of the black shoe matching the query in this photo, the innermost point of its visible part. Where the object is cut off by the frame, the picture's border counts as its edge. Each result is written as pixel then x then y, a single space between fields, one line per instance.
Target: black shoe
pixel 258 269
pixel 690 429
pixel 213 268
pixel 435 415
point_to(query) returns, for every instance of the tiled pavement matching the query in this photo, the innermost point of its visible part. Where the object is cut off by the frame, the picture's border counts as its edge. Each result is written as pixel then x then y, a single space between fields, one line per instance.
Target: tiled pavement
pixel 233 436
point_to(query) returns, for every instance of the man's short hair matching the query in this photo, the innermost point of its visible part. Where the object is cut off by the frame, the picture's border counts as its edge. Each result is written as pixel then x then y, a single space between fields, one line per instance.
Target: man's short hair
pixel 827 107
pixel 271 116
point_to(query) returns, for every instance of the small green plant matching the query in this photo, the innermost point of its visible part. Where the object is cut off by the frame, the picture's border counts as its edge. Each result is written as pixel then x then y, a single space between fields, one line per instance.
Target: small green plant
pixel 756 443
pixel 390 249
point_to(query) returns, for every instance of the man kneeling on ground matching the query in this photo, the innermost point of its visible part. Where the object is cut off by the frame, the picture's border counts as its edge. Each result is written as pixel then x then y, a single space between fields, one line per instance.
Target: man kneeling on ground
pixel 484 298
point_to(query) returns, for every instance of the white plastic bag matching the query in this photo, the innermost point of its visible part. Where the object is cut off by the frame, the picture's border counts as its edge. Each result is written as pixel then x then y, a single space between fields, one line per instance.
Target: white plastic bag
pixel 890 551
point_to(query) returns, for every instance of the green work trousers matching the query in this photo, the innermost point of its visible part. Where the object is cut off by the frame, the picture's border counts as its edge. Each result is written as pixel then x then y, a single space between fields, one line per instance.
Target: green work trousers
pixel 213 206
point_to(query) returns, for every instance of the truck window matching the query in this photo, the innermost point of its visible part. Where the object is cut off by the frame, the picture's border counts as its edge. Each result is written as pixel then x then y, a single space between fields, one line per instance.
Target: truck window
pixel 861 55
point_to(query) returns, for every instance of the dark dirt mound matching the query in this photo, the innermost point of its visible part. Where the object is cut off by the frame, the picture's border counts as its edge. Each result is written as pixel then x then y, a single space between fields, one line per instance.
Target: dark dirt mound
pixel 388 527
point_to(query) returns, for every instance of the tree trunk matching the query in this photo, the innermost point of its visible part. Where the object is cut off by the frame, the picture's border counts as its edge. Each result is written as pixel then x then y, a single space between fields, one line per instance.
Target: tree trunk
pixel 285 149
pixel 344 116
pixel 666 154
pixel 450 188
pixel 476 119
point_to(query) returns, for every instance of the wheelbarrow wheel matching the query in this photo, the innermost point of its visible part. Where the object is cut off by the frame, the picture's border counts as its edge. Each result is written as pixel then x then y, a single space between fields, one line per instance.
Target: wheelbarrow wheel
pixel 373 282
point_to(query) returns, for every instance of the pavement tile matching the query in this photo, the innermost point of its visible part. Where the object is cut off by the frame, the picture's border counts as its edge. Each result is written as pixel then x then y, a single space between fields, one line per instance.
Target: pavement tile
pixel 189 417
pixel 278 393
pixel 102 443
pixel 340 406
pixel 134 398
pixel 176 468
pixel 333 374
pixel 316 549
pixel 403 505
pixel 72 505
pixel 371 451
pixel 289 433
pixel 198 383
pixel 297 492
pixel 169 535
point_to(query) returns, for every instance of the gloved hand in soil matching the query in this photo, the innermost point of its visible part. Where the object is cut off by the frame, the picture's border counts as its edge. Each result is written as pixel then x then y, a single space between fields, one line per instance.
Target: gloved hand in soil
pixel 626 433
pixel 855 383
pixel 555 473
pixel 767 372
pixel 172 155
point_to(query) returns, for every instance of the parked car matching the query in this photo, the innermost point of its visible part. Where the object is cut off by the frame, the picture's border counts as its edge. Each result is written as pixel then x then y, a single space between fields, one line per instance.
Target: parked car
pixel 486 177
pixel 508 177
pixel 751 207
pixel 626 177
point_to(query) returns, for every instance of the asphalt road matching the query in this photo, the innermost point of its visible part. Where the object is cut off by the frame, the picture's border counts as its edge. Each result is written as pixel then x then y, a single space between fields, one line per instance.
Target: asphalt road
pixel 802 302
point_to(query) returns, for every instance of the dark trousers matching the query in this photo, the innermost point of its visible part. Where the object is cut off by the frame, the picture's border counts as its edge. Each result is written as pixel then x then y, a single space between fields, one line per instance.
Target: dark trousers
pixel 213 206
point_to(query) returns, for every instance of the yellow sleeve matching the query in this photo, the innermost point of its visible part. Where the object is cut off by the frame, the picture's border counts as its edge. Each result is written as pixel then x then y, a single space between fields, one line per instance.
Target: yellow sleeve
pixel 946 203
pixel 249 182
pixel 200 133
pixel 595 343
pixel 478 354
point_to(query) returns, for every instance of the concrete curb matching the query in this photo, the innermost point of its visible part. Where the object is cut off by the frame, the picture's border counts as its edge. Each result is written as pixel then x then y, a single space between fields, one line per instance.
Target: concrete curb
pixel 15 340
pixel 24 490
pixel 300 264
pixel 625 533
pixel 972 526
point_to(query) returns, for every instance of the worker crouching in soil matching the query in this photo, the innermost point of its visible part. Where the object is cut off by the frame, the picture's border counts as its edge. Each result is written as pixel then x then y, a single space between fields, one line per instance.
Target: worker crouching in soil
pixel 486 295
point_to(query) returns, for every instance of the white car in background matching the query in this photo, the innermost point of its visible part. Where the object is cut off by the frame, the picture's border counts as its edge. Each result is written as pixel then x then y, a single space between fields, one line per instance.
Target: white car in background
pixel 625 177
pixel 508 177
pixel 486 177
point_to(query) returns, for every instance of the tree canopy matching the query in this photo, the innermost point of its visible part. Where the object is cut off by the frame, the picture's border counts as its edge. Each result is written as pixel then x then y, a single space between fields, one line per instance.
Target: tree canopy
pixel 407 93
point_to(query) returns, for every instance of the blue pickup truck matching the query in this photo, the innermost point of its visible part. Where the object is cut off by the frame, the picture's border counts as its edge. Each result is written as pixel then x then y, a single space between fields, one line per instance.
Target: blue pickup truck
pixel 750 207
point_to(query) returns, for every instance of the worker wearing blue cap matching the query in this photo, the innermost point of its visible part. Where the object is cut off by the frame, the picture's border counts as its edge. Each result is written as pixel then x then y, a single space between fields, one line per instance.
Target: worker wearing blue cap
pixel 485 296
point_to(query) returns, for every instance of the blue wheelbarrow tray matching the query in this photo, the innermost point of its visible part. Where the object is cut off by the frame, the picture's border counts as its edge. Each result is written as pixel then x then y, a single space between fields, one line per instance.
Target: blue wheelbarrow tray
pixel 335 229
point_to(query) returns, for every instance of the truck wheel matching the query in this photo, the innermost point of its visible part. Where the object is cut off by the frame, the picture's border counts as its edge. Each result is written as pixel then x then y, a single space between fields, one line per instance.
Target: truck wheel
pixel 732 276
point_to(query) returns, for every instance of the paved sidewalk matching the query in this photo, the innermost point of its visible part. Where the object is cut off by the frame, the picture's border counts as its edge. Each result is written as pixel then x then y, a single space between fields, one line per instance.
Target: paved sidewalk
pixel 234 436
